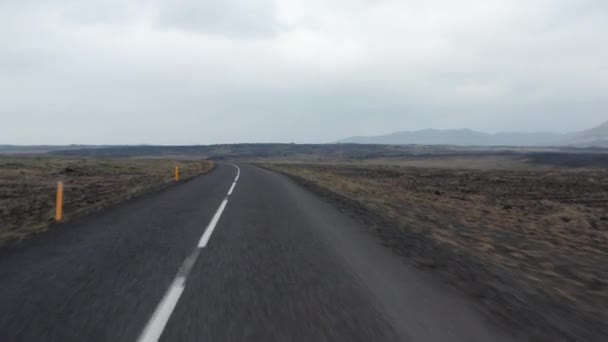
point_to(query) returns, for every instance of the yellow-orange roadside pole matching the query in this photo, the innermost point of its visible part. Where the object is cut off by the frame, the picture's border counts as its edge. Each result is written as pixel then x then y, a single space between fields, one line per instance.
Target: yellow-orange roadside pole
pixel 177 173
pixel 59 202
pixel 200 167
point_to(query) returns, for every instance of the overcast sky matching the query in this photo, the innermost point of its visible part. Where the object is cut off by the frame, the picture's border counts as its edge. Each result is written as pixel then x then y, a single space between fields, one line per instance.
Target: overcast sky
pixel 203 71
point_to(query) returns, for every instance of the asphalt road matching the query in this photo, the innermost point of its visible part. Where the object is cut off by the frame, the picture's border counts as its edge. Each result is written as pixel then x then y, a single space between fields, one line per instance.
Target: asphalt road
pixel 269 262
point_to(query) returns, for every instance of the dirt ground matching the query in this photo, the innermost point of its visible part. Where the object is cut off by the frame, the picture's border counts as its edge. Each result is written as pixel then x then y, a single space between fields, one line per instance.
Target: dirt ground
pixel 28 187
pixel 530 245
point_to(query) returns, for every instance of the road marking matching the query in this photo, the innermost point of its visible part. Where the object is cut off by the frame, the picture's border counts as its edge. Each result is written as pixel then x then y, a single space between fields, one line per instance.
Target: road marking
pixel 158 321
pixel 231 188
pixel 165 308
pixel 212 224
pixel 236 179
pixel 238 173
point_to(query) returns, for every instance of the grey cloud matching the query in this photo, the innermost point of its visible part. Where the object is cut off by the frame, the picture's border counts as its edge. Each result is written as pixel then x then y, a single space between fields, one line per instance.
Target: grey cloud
pixel 231 18
pixel 116 71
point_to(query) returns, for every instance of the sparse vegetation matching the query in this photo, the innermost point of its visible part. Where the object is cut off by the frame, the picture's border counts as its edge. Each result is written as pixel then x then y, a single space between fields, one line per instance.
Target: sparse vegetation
pixel 531 245
pixel 28 185
pixel 330 153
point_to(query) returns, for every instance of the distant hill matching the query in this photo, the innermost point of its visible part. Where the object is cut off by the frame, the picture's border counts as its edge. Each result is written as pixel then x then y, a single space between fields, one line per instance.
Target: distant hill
pixel 597 136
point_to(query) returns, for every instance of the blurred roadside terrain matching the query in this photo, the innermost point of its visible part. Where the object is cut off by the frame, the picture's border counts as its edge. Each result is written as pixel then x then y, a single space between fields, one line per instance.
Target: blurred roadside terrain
pixel 28 187
pixel 531 246
pixel 523 230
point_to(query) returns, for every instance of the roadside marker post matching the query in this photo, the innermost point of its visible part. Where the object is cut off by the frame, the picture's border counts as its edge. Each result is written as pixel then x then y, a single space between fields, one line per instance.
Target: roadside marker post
pixel 200 167
pixel 59 202
pixel 177 173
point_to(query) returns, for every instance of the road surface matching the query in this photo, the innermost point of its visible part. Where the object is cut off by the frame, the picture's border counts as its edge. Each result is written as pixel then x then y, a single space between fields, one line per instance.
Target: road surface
pixel 241 254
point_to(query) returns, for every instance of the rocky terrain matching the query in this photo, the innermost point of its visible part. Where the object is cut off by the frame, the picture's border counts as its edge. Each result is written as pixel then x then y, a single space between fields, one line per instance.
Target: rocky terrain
pixel 28 187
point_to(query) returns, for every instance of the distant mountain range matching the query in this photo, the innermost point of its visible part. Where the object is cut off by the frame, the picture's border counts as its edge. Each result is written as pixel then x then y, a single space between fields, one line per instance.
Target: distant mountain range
pixel 595 137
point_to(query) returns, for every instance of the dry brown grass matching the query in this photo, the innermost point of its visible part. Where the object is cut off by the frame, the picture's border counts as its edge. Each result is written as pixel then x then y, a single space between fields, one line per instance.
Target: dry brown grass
pixel 539 237
pixel 28 186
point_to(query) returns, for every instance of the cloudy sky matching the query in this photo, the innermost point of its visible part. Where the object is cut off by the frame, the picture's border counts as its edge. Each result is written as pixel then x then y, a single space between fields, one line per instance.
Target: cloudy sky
pixel 202 71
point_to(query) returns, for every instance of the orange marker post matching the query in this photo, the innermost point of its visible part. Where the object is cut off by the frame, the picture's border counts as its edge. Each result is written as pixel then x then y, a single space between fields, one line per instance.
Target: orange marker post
pixel 59 202
pixel 200 167
pixel 177 173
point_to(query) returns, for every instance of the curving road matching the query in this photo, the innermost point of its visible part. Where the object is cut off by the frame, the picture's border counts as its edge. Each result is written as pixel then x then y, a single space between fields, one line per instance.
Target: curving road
pixel 231 256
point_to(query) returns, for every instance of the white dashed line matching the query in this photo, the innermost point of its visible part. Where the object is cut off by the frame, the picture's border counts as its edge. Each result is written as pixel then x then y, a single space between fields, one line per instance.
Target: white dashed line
pixel 161 316
pixel 159 319
pixel 212 224
pixel 231 188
